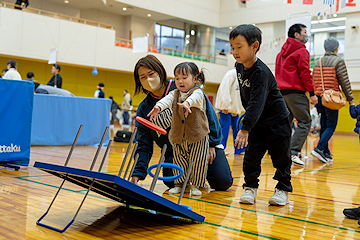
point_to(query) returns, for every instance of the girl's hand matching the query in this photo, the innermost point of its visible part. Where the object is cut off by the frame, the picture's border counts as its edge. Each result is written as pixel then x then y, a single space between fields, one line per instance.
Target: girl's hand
pixel 185 105
pixel 154 113
pixel 241 139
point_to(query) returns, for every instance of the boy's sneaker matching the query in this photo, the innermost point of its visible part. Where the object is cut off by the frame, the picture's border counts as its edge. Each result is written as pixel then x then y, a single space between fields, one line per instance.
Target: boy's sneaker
pixel 328 156
pixel 175 190
pixel 319 154
pixel 296 159
pixel 280 198
pixel 249 196
pixel 352 213
pixel 195 191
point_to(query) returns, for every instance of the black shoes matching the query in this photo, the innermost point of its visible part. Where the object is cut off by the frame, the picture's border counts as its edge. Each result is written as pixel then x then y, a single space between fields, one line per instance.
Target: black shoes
pixel 352 213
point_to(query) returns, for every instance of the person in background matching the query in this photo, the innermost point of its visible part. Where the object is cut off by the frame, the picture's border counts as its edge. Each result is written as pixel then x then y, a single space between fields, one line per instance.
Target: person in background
pixel 293 76
pixel 229 103
pixel 113 110
pixel 56 80
pixel 3 72
pixel 126 106
pixel 30 76
pixel 12 73
pixel 99 93
pixel 21 4
pixel 329 117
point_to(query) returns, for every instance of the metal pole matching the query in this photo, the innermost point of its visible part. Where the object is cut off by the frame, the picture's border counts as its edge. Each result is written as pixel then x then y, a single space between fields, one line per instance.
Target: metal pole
pixel 127 151
pixel 134 165
pixel 162 159
pixel 106 152
pixel 186 181
pixel 73 145
pixel 98 150
pixel 131 158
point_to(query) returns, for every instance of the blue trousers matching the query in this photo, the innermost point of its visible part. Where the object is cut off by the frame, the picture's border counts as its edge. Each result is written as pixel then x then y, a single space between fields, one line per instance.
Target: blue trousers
pixel 328 122
pixel 225 121
pixel 126 117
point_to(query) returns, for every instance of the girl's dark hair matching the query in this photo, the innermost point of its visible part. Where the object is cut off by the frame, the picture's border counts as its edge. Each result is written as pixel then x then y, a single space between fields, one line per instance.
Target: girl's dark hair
pixel 187 68
pixel 250 32
pixel 151 62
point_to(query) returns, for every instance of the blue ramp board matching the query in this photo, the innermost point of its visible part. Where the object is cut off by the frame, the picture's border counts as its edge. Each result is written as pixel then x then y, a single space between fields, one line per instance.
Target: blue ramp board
pixel 119 189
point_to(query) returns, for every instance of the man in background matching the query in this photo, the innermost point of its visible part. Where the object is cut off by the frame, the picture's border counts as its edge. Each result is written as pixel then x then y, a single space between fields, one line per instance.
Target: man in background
pixel 293 76
pixel 12 73
pixel 56 80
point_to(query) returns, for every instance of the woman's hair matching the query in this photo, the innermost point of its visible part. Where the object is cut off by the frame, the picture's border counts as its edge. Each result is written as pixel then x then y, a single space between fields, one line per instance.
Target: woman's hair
pixel 187 68
pixel 151 62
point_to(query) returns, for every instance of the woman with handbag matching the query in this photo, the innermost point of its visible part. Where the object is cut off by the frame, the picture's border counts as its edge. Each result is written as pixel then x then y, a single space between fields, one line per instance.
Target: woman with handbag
pixel 330 72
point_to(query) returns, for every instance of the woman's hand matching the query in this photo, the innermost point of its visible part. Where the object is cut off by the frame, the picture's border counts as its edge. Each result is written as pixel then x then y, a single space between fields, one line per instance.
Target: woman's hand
pixel 212 154
pixel 154 113
pixel 352 102
pixel 185 105
pixel 241 139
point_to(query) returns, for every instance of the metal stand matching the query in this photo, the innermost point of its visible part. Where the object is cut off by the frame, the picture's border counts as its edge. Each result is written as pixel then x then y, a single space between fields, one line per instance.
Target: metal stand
pixel 10 165
pixel 157 172
pixel 88 190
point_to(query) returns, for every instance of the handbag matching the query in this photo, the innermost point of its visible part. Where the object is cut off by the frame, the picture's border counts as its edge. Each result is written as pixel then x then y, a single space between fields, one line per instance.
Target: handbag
pixel 330 98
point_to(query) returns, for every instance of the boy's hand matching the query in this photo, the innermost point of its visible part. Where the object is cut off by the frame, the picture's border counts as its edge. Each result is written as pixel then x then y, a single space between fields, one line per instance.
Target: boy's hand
pixel 154 113
pixel 313 100
pixel 241 139
pixel 185 105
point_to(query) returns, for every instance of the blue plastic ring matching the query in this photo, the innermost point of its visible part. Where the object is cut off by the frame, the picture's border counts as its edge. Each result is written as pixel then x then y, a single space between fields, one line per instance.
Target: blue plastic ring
pixel 238 124
pixel 167 165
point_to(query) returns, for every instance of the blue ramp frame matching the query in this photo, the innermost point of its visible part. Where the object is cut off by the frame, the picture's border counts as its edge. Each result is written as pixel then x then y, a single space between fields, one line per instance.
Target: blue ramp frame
pixel 119 189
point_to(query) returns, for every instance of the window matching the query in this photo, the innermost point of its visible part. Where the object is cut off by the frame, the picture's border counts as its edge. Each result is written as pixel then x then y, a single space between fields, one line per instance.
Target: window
pixel 169 37
pixel 222 44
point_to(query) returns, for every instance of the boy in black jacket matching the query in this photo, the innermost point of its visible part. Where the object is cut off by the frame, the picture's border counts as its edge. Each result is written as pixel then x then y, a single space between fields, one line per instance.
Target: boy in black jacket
pixel 265 125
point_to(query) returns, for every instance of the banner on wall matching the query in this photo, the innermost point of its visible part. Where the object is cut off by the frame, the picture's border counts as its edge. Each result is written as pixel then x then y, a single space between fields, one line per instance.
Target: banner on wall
pixel 141 43
pixel 52 56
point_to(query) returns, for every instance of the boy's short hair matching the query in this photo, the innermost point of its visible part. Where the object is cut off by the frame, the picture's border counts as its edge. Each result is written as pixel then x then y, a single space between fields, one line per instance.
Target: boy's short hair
pixel 30 75
pixel 250 32
pixel 297 27
pixel 57 66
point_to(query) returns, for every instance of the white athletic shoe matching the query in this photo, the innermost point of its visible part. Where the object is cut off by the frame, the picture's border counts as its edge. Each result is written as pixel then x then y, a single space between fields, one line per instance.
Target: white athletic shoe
pixel 280 198
pixel 249 195
pixel 175 190
pixel 296 159
pixel 195 191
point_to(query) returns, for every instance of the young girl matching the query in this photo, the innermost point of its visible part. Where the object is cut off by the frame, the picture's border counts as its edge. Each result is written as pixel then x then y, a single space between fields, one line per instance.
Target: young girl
pixel 189 125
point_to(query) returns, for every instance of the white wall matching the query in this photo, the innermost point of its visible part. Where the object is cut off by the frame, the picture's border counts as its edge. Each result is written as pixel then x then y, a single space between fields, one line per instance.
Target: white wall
pixel 352 49
pixel 79 44
pixel 200 11
pixel 53 7
pixel 118 21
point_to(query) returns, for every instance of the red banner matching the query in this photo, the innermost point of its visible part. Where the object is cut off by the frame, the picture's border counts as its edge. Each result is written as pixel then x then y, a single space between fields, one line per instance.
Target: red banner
pixel 308 2
pixel 288 1
pixel 351 3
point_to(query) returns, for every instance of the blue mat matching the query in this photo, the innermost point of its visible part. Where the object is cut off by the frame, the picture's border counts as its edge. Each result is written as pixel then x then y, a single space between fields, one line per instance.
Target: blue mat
pixel 120 190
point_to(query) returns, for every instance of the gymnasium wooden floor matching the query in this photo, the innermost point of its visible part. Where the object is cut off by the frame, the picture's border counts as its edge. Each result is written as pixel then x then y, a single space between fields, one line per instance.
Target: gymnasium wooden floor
pixel 321 192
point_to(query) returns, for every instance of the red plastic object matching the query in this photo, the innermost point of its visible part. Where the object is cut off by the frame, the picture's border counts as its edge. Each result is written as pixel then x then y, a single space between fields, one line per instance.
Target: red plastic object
pixel 151 125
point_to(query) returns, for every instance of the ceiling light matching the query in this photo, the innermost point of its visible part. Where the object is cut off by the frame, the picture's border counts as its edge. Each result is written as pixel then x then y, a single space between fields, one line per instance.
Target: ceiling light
pixel 230 28
pixel 334 15
pixel 329 20
pixel 124 9
pixel 328 29
pixel 66 1
pixel 149 15
pixel 192 32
